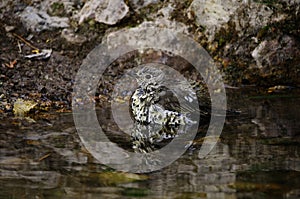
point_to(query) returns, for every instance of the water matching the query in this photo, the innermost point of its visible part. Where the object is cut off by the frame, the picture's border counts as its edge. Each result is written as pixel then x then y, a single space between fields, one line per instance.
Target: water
pixel 257 156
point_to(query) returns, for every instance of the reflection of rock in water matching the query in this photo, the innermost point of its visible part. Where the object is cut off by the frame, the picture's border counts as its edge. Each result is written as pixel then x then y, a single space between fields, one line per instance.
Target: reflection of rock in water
pixel 209 177
pixel 274 118
pixel 268 137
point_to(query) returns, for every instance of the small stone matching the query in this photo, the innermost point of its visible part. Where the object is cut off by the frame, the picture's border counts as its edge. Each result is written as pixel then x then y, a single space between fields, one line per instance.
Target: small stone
pixel 72 37
pixel 9 28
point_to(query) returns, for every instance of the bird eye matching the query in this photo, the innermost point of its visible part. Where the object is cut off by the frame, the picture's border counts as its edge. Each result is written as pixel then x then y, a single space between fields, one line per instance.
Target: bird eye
pixel 148 76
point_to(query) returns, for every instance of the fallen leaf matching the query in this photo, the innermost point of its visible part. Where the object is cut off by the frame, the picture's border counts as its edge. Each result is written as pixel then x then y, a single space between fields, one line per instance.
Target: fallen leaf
pixel 11 64
pixel 44 54
pixel 22 107
pixel 278 88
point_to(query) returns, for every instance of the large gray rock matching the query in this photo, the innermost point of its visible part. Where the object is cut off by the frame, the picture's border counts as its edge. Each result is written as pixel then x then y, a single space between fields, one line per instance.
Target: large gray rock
pixel 215 14
pixel 104 11
pixel 264 30
pixel 273 54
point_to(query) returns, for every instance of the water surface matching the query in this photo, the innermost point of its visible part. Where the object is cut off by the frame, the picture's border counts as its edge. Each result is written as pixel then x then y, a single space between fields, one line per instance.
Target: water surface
pixel 257 156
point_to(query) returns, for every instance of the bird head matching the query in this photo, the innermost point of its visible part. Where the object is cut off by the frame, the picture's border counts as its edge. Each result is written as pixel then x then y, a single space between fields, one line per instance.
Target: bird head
pixel 150 75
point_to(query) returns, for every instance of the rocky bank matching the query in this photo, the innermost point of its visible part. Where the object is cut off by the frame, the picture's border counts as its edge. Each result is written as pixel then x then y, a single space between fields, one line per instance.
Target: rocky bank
pixel 253 42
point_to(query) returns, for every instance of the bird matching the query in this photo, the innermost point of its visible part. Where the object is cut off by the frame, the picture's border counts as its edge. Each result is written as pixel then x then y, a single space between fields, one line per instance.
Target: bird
pixel 156 110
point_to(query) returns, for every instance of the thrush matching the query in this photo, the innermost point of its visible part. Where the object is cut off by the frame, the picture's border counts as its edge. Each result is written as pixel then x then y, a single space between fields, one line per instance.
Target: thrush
pixel 165 105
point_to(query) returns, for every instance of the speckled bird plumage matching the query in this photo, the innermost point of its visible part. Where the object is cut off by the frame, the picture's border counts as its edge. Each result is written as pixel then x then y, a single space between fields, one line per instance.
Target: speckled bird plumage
pixel 154 104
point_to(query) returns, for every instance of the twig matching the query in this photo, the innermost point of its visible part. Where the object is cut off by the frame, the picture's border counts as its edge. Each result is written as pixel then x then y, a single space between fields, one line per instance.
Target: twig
pixel 26 42
pixel 44 157
pixel 19 46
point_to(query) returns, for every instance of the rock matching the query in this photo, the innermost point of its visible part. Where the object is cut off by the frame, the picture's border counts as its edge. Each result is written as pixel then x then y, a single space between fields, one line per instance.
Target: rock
pixel 162 19
pixel 38 179
pixel 60 7
pixel 237 29
pixel 72 156
pixel 165 23
pixel 38 20
pixel 72 37
pixel 9 28
pixel 166 11
pixel 212 14
pixel 252 17
pixel 104 11
pixel 271 55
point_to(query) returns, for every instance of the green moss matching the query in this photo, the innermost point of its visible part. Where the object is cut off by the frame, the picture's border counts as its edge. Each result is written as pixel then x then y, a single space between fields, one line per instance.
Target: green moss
pixel 226 35
pixel 179 13
pixel 262 32
pixel 57 9
pixel 222 41
pixel 190 195
pixel 136 192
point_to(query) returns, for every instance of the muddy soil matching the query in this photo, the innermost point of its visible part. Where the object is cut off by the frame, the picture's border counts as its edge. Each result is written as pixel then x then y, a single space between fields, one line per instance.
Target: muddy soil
pixel 47 81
